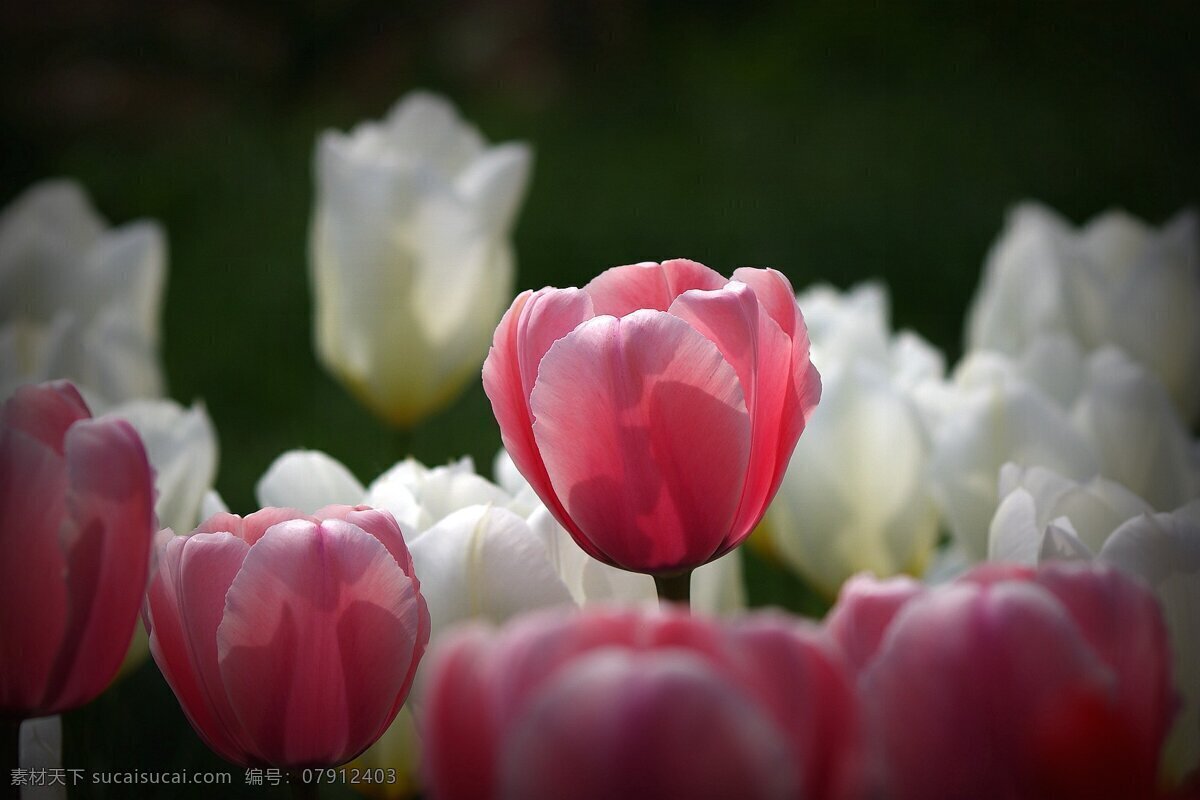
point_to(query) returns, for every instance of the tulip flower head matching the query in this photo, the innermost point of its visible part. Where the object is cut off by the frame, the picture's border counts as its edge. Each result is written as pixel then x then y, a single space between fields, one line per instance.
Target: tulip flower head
pixel 79 300
pixel 654 411
pixel 601 704
pixel 289 640
pixel 411 255
pixel 76 524
pixel 1011 683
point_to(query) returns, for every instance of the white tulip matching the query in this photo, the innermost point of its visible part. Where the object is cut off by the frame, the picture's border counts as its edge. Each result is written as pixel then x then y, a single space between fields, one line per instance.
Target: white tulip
pixel 411 258
pixel 991 413
pixel 1045 516
pixel 79 300
pixel 1116 282
pixel 1139 438
pixel 1035 498
pixel 856 494
pixel 181 445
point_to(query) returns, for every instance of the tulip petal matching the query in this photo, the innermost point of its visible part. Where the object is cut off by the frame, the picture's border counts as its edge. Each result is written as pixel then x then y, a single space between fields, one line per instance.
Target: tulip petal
pixel 625 725
pixel 182 447
pixel 864 610
pixel 529 328
pixel 797 673
pixel 644 430
pixel 494 184
pixel 485 563
pixel 111 502
pixel 324 613
pixel 45 411
pixel 189 665
pixel 33 606
pixel 774 291
pixel 307 480
pixel 1123 624
pixel 622 290
pixel 461 723
pixel 761 354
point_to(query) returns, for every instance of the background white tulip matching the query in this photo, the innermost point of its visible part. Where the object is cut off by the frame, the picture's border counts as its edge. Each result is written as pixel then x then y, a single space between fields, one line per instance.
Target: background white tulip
pixel 411 258
pixel 1116 281
pixel 79 300
pixel 856 494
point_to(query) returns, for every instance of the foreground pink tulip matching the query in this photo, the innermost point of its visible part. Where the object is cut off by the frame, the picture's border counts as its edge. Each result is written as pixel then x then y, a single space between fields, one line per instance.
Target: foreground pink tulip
pixel 1011 683
pixel 626 704
pixel 289 640
pixel 655 410
pixel 76 524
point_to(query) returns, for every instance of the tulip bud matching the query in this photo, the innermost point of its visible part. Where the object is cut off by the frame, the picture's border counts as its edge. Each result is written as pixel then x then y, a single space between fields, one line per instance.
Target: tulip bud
pixel 289 640
pixel 654 410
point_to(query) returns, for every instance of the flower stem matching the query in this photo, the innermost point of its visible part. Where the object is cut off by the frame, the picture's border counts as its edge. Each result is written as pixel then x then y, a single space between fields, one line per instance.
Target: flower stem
pixel 675 588
pixel 10 746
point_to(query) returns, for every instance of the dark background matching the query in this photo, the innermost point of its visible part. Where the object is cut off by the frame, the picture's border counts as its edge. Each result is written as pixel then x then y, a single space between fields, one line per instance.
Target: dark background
pixel 836 141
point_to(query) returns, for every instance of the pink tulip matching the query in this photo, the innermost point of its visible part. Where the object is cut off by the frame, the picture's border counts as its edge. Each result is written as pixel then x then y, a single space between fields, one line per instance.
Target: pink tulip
pixel 76 523
pixel 289 640
pixel 655 410
pixel 1011 683
pixel 608 704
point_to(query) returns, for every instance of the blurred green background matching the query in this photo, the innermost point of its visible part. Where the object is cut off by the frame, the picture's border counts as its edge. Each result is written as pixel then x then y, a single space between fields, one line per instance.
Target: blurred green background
pixel 835 141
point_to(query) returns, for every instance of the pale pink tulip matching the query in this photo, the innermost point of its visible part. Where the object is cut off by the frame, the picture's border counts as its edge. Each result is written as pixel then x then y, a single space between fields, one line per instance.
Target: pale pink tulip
pixel 1012 683
pixel 653 704
pixel 289 640
pixel 76 524
pixel 655 410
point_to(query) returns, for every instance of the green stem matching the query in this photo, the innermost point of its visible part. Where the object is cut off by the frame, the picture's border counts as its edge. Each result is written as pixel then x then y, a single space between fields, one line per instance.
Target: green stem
pixel 675 588
pixel 401 444
pixel 10 745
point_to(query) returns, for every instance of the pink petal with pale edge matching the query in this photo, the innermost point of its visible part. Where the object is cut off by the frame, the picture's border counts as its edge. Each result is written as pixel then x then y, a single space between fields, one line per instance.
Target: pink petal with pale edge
pixel 761 354
pixel 619 291
pixel 643 429
pixel 530 326
pixel 171 641
pixel 774 291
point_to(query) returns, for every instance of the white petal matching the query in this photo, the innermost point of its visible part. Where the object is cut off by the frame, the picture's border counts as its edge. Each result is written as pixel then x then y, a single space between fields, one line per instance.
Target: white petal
pixel 484 562
pixel 1141 441
pixel 182 447
pixel 307 480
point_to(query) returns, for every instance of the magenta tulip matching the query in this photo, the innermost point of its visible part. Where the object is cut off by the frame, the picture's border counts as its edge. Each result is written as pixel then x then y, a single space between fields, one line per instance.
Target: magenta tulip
pixel 289 640
pixel 655 410
pixel 1011 683
pixel 623 704
pixel 76 525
